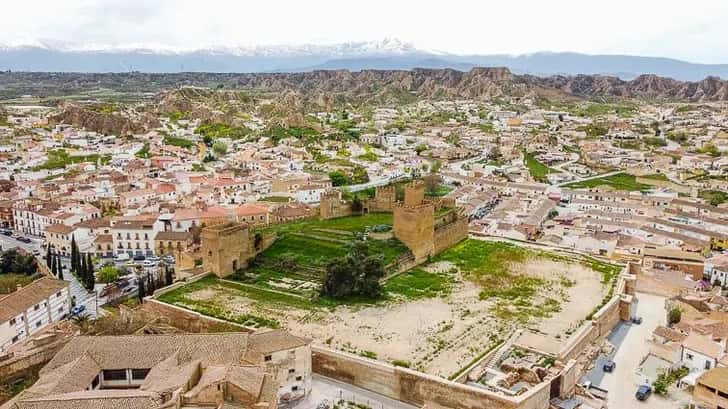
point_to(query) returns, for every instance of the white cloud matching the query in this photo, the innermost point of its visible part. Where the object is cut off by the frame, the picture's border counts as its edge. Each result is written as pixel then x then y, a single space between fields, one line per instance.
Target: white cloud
pixel 694 31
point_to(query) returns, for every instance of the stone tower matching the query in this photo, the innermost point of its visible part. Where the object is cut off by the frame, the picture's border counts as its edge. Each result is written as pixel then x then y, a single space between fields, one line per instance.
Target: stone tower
pixel 414 221
pixel 226 247
pixel 332 205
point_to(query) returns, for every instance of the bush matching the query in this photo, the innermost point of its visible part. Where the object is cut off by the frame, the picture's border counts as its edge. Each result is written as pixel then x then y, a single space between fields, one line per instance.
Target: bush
pixel 675 315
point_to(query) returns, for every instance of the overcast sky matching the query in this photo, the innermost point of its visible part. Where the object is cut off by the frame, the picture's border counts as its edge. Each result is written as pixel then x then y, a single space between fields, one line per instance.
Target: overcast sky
pixel 695 30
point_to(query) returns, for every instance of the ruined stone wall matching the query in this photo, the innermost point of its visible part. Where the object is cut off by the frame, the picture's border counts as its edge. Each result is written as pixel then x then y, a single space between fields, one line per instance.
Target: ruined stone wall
pixel 416 388
pixel 332 206
pixel 415 227
pixel 385 197
pixel 185 320
pixel 450 234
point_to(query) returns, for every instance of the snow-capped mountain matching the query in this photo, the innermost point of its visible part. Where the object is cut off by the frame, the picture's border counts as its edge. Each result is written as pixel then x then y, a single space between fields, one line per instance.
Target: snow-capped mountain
pixel 389 53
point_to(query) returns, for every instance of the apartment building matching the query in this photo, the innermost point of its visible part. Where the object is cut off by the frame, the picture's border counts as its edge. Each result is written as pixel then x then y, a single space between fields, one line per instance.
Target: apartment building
pixel 30 309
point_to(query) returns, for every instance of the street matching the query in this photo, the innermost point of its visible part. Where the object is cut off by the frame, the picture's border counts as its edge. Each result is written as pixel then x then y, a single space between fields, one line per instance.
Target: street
pixel 631 347
pixel 332 391
pixel 78 293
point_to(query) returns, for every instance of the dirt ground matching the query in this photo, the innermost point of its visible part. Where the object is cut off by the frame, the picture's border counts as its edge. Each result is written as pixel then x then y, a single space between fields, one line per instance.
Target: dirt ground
pixel 577 301
pixel 438 335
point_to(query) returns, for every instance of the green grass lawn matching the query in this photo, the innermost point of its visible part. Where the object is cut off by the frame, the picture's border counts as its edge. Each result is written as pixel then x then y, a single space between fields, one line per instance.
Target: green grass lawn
pixel 179 142
pixel 59 159
pixel 620 181
pixel 419 283
pixel 714 197
pixel 489 264
pixel 537 169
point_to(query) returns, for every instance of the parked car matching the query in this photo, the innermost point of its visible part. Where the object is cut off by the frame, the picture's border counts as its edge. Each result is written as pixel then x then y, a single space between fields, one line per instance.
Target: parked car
pixel 6 232
pixel 23 239
pixel 149 263
pixel 637 320
pixel 324 405
pixel 122 257
pixel 78 310
pixel 139 257
pixel 169 259
pixel 643 392
pixel 154 259
pixel 609 366
pixel 36 252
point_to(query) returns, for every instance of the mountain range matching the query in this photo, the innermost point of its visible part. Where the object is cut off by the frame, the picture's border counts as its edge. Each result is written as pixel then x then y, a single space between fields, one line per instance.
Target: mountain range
pixel 389 54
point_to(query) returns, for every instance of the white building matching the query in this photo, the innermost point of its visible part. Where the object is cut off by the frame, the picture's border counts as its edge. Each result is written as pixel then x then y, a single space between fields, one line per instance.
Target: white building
pixel 135 237
pixel 31 308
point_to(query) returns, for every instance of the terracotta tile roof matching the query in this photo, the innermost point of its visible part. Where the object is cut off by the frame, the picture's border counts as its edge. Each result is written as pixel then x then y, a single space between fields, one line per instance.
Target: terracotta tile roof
pixel 715 378
pixel 173 235
pixel 20 300
pixel 59 228
pixel 669 334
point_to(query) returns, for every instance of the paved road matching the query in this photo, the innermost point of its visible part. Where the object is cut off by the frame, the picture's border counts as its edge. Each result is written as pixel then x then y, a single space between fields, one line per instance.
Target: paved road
pixel 630 347
pixel 333 391
pixel 82 296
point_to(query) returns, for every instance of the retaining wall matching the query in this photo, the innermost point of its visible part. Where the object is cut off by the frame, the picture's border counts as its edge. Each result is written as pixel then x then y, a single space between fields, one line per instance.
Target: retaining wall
pixel 416 388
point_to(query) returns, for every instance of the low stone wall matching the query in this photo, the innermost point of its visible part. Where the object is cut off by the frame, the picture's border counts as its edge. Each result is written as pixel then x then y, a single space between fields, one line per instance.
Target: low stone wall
pixel 416 388
pixel 186 320
pixel 17 367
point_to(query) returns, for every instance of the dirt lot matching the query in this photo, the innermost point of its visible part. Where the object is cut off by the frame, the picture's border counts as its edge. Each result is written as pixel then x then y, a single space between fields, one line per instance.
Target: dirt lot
pixel 437 335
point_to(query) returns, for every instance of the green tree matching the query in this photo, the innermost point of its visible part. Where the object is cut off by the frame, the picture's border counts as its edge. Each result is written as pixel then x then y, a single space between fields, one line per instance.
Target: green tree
pixel 14 262
pixel 90 276
pixel 108 274
pixel 675 315
pixel 54 267
pixel 338 178
pixel 356 274
pixel 420 148
pixel 75 265
pixel 219 148
pixel 48 255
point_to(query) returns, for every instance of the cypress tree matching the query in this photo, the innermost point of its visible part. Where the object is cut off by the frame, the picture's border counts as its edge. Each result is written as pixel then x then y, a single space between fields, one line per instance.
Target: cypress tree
pixel 48 256
pixel 60 271
pixel 82 273
pixel 168 275
pixel 54 266
pixel 141 289
pixel 74 255
pixel 91 280
pixel 90 274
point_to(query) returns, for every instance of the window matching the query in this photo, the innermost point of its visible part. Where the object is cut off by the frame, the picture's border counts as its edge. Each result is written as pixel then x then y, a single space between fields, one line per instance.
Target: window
pixel 114 374
pixel 298 378
pixel 38 324
pixel 292 370
pixel 139 374
pixel 36 307
pixel 707 364
pixel 60 310
pixel 15 339
pixel 267 358
pixel 295 388
pixel 12 321
pixel 689 356
pixel 58 294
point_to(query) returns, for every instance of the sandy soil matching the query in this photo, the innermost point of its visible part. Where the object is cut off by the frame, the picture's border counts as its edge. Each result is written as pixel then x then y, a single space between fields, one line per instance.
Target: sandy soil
pixel 577 301
pixel 438 336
